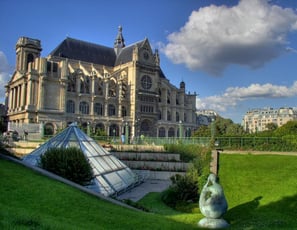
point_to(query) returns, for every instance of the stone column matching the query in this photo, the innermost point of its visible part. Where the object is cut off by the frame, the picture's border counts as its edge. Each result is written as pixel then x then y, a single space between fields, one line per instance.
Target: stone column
pixel 120 99
pixel 92 93
pixel 29 92
pixel 40 93
pixel 106 100
pixel 12 93
pixel 23 96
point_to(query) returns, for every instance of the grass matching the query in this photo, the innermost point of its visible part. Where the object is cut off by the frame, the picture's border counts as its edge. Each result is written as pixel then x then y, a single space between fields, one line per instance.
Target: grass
pixel 31 201
pixel 261 191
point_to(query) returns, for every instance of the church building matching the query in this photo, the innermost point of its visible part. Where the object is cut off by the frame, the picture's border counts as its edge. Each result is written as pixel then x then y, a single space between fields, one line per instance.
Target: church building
pixel 118 90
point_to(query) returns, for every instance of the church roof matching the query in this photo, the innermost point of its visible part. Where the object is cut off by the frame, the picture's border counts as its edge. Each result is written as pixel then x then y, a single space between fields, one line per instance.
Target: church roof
pixel 111 175
pixel 93 53
pixel 85 51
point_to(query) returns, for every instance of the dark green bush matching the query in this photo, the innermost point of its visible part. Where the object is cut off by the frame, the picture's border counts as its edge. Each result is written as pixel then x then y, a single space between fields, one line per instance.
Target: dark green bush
pixel 185 189
pixel 69 163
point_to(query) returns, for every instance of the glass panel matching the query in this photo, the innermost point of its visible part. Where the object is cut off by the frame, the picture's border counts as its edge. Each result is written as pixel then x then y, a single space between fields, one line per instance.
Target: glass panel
pixel 114 179
pixel 127 176
pixel 107 189
pixel 102 163
pixel 110 163
pixel 97 165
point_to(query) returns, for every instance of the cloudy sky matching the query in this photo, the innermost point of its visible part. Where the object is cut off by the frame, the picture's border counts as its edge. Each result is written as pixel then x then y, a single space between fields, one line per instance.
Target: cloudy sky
pixel 236 55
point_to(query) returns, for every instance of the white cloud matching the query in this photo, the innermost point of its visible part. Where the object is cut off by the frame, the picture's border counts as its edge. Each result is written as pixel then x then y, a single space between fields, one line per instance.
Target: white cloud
pixel 233 95
pixel 5 73
pixel 250 34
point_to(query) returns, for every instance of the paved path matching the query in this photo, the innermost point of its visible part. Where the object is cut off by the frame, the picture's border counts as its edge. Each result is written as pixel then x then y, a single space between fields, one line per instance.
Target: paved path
pixel 146 187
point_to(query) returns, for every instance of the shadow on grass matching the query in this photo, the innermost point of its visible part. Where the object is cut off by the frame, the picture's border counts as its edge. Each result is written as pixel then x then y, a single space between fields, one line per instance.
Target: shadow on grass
pixel 276 215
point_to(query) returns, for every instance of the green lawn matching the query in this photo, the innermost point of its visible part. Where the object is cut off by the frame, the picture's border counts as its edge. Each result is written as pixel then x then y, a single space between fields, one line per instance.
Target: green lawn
pixel 31 201
pixel 261 191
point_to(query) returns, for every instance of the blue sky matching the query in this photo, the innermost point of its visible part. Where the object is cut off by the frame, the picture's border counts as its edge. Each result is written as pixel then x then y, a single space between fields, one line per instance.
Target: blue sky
pixel 236 55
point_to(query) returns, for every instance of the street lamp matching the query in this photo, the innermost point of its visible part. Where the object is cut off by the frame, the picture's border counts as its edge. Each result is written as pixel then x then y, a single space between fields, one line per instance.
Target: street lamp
pixel 113 131
pixel 180 129
pixel 212 130
pixel 126 133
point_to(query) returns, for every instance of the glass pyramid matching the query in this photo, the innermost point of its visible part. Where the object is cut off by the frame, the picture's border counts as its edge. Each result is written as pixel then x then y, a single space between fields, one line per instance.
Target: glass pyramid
pixel 111 175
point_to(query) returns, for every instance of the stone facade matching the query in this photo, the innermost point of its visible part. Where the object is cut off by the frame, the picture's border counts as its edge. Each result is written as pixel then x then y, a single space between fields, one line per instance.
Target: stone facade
pixel 119 90
pixel 256 120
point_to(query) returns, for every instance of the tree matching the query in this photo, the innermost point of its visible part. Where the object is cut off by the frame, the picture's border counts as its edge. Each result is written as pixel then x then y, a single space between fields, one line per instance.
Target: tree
pixel 271 126
pixel 290 128
pixel 223 127
pixel 202 131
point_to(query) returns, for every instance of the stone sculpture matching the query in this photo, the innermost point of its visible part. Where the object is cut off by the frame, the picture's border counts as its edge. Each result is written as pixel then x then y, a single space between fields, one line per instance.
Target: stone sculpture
pixel 212 204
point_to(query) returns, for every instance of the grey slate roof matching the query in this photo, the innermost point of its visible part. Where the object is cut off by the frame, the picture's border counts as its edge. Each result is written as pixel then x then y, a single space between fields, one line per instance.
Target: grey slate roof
pixel 93 53
pixel 85 51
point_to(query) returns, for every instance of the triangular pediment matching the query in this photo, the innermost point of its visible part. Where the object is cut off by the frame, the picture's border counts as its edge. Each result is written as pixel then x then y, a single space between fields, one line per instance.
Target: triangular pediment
pixel 16 76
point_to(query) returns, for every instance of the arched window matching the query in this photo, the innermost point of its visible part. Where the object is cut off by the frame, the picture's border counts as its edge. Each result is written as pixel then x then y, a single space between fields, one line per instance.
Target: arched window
pixel 160 95
pixel 124 111
pixel 84 84
pixel 112 92
pixel 99 86
pixel 168 97
pixel 111 110
pixel 145 126
pixel 162 132
pixel 70 106
pixel 159 115
pixel 171 132
pixel 30 58
pixel 177 116
pixel 124 90
pixel 49 129
pixel 98 109
pixel 71 83
pixel 84 107
pixel 113 130
pixel 168 116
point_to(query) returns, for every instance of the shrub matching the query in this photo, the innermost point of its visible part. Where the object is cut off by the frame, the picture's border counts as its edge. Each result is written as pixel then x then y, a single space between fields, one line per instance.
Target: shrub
pixel 185 189
pixel 69 163
pixel 187 152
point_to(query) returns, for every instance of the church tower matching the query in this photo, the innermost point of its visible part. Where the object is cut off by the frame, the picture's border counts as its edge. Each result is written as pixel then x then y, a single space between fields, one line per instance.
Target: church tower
pixel 27 49
pixel 119 42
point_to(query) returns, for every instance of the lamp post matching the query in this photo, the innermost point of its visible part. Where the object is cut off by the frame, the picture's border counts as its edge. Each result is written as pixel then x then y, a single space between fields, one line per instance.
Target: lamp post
pixel 180 129
pixel 212 131
pixel 113 131
pixel 126 133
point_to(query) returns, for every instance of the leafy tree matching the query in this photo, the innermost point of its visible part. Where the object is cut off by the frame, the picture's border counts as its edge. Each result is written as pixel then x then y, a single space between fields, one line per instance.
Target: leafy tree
pixel 271 126
pixel 290 128
pixel 223 127
pixel 203 131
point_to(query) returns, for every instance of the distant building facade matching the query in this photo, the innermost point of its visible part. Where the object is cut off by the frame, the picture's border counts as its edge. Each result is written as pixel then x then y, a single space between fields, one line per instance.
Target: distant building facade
pixel 205 116
pixel 256 120
pixel 118 90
